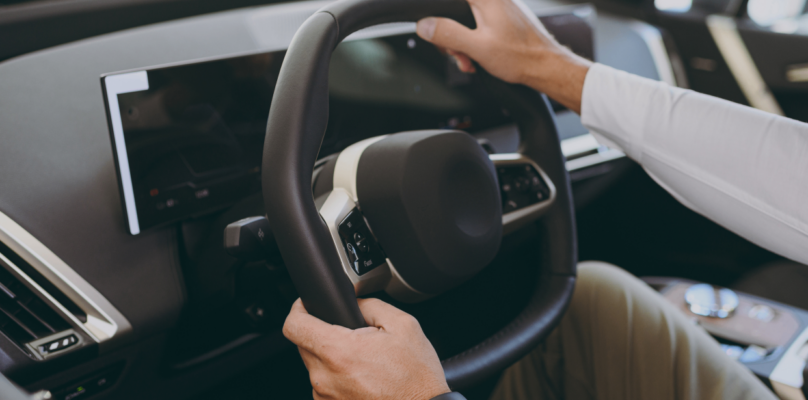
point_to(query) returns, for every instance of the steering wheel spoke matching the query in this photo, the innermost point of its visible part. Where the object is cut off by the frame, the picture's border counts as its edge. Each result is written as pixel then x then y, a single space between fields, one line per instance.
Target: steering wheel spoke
pixel 527 192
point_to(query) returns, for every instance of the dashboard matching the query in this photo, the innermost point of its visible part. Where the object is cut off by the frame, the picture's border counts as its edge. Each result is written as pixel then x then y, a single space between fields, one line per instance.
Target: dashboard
pixel 123 153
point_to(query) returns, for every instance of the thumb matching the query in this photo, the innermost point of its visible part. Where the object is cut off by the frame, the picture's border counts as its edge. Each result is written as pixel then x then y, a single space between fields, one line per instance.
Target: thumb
pixel 446 33
pixel 379 314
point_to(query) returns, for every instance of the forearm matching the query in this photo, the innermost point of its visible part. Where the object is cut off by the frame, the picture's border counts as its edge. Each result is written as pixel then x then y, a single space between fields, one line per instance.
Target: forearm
pixel 558 73
pixel 743 168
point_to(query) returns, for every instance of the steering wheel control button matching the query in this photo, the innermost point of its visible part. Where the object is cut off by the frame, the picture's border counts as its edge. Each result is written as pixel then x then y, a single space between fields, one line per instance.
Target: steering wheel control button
pixel 521 186
pixel 361 242
pixel 364 253
pixel 352 254
pixel 710 301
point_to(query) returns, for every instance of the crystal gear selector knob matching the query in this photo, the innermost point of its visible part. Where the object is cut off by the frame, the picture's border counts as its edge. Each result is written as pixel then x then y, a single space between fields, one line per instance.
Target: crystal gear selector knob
pixel 710 301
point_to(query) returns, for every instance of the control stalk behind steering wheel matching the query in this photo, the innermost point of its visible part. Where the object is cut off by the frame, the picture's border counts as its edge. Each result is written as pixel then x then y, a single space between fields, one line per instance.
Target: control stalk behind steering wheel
pixel 432 199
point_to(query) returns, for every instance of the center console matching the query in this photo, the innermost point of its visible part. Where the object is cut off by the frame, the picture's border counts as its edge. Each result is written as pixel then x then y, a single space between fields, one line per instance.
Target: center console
pixel 770 338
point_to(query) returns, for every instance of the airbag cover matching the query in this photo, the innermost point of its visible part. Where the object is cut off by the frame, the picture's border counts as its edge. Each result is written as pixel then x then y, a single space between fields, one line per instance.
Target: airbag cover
pixel 433 202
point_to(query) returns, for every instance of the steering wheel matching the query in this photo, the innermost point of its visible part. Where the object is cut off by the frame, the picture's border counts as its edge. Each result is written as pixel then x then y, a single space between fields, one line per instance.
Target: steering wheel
pixel 413 213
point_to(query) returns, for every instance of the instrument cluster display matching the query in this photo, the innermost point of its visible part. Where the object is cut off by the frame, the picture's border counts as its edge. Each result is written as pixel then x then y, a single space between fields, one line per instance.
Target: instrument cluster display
pixel 189 138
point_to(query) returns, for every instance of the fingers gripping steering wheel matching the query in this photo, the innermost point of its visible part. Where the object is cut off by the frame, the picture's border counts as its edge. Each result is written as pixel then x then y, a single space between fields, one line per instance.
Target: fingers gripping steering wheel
pixel 431 198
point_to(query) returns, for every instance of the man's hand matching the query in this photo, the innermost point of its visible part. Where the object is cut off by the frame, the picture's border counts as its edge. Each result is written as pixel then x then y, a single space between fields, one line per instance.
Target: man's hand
pixel 390 359
pixel 511 44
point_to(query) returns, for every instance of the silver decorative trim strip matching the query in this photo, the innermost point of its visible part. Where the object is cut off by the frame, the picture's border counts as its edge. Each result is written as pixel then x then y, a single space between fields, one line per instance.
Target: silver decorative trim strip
pixel 105 323
pixel 730 44
pixel 115 85
pixel 797 73
pixel 603 155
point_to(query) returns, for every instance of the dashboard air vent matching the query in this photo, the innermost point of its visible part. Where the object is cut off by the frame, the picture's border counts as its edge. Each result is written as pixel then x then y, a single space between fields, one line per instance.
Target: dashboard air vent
pixel 43 282
pixel 24 317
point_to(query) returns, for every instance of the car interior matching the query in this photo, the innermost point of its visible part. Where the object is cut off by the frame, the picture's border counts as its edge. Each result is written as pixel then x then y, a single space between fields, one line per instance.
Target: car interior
pixel 175 174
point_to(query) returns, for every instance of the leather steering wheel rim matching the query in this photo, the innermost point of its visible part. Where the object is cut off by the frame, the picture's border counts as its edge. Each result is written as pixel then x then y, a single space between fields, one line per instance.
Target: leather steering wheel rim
pixel 297 122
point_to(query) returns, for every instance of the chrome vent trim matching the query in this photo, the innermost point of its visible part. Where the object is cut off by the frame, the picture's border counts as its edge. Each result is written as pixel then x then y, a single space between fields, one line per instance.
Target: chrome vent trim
pixel 104 324
pixel 26 317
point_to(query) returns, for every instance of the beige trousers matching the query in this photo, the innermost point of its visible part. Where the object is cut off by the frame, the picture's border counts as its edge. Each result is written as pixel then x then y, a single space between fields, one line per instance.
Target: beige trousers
pixel 621 340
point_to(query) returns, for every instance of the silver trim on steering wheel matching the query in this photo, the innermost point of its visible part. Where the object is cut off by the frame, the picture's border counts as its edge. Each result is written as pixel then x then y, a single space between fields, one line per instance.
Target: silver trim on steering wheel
pixel 343 199
pixel 336 207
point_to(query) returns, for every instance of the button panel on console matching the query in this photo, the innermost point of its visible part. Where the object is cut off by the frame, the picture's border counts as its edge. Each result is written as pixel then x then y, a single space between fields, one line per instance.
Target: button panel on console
pixel 58 344
pixel 364 253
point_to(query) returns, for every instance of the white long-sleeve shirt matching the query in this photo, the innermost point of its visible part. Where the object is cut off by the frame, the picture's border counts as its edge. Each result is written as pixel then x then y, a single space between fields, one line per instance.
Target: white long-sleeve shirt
pixel 743 168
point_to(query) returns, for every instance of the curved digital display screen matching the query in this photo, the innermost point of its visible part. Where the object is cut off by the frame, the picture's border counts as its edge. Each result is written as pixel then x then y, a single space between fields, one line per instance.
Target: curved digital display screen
pixel 188 139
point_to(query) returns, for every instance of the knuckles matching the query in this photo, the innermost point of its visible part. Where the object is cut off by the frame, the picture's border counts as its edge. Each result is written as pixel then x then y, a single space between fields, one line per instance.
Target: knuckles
pixel 373 304
pixel 408 322
pixel 289 329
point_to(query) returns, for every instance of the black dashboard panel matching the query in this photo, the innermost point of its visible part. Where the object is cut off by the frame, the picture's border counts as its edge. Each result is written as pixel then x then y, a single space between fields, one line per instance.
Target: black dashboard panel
pixel 194 137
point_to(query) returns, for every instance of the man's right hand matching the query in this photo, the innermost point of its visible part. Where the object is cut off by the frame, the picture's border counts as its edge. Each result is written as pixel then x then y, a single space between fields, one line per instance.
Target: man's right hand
pixel 389 359
pixel 511 44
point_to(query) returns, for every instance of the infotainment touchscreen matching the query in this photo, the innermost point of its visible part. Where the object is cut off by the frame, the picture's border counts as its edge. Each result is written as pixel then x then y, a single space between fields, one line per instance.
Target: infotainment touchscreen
pixel 188 139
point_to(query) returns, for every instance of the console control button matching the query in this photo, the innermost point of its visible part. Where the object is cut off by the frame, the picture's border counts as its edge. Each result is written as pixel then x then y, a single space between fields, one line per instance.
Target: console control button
pixel 734 352
pixel 710 301
pixel 364 253
pixel 521 185
pixel 58 344
pixel 88 385
pixel 753 353
pixel 762 312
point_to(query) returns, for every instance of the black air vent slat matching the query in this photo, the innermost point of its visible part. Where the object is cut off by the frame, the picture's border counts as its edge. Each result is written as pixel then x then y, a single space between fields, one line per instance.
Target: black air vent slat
pixel 46 314
pixel 41 321
pixel 24 316
pixel 16 287
pixel 7 291
pixel 40 280
pixel 13 330
pixel 18 323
